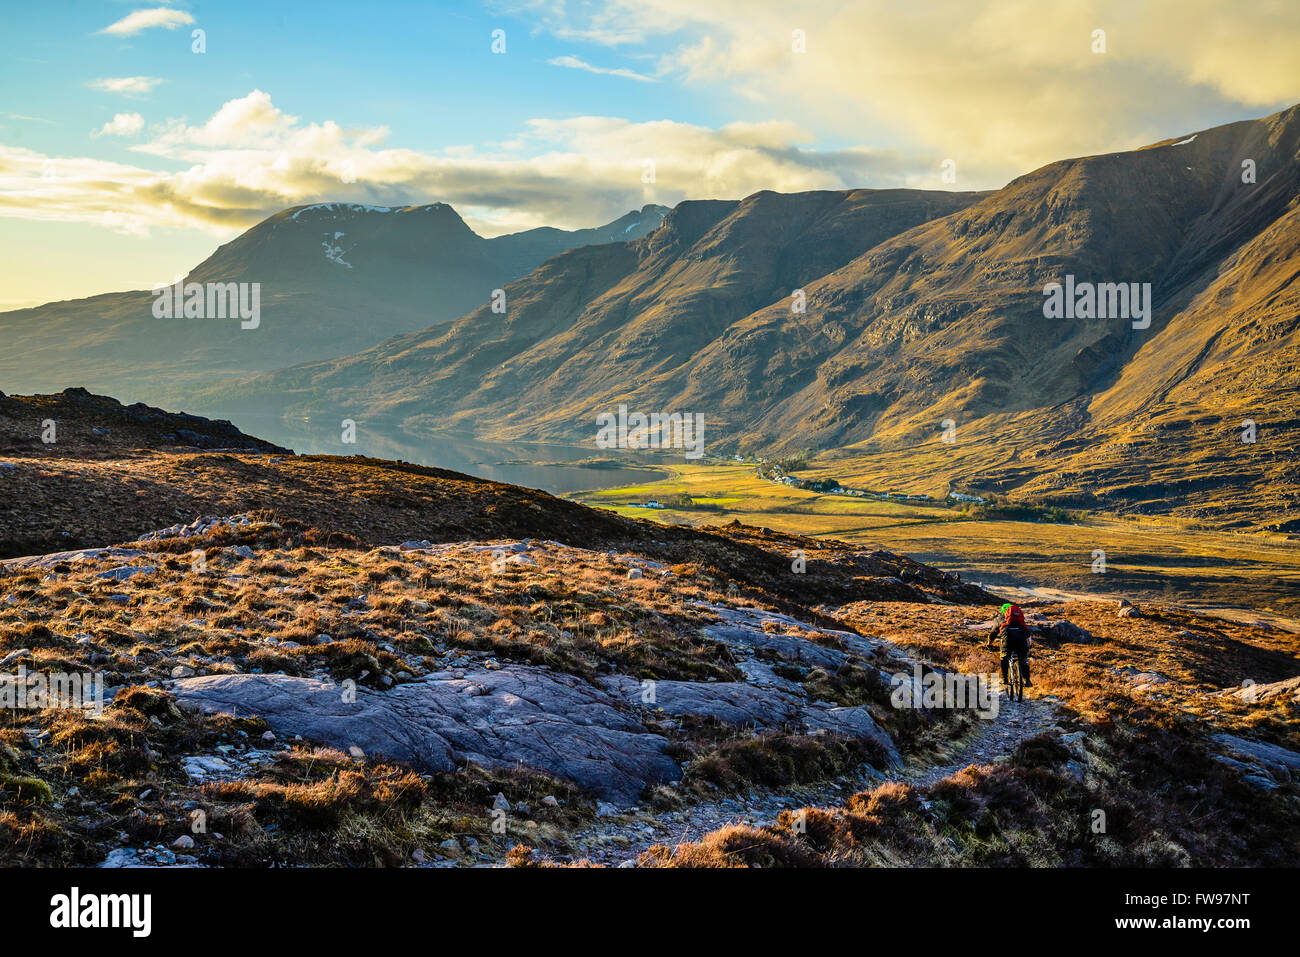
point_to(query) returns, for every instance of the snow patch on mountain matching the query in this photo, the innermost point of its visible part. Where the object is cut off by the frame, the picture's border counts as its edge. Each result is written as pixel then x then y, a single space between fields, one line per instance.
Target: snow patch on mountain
pixel 333 252
pixel 363 208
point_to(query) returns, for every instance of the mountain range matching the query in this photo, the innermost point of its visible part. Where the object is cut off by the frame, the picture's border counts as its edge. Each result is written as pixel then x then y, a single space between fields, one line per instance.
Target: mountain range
pixel 895 332
pixel 334 278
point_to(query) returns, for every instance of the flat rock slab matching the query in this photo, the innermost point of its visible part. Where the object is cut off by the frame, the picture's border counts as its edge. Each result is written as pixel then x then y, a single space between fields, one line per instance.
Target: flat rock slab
pixel 1279 763
pixel 798 650
pixel 745 626
pixel 56 558
pixel 1255 694
pixel 514 716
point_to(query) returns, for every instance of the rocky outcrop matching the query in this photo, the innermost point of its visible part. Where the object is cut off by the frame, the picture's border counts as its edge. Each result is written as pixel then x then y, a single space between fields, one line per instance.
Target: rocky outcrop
pixel 1266 766
pixel 59 558
pixel 764 708
pixel 1065 632
pixel 520 715
pixel 1256 693
pixel 517 715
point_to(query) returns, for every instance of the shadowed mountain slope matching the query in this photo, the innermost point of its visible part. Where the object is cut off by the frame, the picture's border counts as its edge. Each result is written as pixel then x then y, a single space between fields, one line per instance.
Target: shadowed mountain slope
pixel 334 278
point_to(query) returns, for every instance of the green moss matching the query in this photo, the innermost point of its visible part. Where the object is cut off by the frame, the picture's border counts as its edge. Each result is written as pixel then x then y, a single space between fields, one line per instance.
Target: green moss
pixel 25 790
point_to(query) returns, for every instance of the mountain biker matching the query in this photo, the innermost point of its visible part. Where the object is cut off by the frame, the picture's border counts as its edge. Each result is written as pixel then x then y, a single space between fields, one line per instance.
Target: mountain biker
pixel 1013 634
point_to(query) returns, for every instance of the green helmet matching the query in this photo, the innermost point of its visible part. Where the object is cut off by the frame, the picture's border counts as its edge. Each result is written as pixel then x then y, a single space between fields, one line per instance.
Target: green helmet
pixel 1005 608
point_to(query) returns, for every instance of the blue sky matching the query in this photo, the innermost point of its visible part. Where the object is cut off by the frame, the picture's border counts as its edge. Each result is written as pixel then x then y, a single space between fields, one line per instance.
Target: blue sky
pixel 125 157
pixel 425 70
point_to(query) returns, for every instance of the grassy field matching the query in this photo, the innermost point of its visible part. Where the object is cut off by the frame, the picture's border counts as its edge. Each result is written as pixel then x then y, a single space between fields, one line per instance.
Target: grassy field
pixel 1144 557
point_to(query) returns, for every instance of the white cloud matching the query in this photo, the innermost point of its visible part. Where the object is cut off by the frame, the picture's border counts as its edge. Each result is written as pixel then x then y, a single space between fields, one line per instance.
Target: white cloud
pixel 139 20
pixel 123 124
pixel 126 84
pixel 250 160
pixel 574 63
pixel 1002 85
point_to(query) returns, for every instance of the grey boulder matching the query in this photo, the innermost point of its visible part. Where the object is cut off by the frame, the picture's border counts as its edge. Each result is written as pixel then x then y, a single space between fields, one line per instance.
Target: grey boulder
pixel 517 715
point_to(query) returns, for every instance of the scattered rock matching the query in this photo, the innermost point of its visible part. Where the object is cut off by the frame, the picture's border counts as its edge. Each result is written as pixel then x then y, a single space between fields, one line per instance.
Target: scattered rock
pixel 1066 632
pixel 202 767
pixel 1270 762
pixel 1256 694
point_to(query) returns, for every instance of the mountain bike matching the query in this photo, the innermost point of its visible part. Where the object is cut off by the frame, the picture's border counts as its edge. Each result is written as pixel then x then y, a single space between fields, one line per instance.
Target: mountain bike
pixel 1015 682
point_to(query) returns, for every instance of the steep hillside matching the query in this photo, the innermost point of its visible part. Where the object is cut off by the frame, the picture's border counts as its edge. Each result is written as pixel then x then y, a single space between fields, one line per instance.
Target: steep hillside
pixel 334 278
pixel 921 308
pixel 608 324
pixel 359 662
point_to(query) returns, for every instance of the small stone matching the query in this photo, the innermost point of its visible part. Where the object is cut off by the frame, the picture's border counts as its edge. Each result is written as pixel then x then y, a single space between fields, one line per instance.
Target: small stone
pixel 182 671
pixel 183 843
pixel 268 735
pixel 14 656
pixel 451 848
pixel 634 573
pixel 499 803
pixel 551 801
pixel 417 855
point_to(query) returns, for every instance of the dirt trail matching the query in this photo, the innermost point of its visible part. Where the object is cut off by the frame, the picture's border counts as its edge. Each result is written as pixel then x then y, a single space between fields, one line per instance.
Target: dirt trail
pixel 620 839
